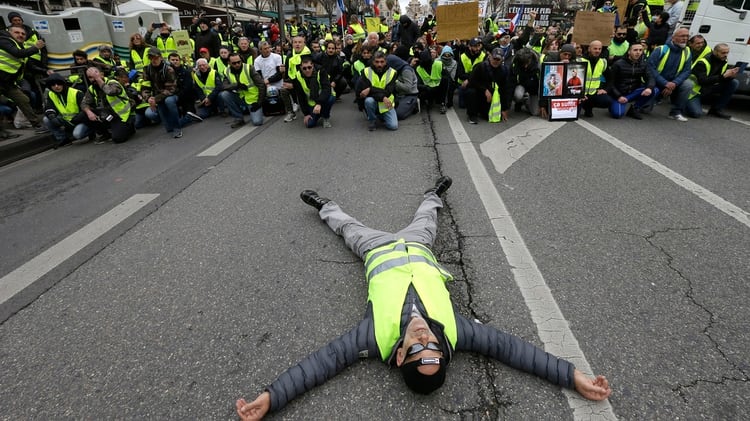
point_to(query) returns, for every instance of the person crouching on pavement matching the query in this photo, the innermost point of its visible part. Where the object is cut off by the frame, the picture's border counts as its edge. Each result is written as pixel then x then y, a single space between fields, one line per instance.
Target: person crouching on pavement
pixel 62 114
pixel 243 89
pixel 376 87
pixel 314 92
pixel 108 108
pixel 160 91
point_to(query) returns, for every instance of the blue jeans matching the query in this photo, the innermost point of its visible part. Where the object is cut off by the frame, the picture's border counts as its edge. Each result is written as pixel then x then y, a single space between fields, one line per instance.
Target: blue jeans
pixel 639 101
pixel 167 112
pixel 61 132
pixel 325 111
pixel 680 96
pixel 236 106
pixel 718 98
pixel 389 117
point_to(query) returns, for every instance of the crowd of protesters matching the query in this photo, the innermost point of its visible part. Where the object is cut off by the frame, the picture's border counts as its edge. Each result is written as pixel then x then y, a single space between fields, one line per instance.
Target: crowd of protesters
pixel 389 74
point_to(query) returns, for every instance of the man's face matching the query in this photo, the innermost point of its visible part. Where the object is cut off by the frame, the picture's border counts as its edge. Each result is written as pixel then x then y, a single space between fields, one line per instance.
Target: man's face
pixel 620 35
pixel 93 74
pixel 175 61
pixel 475 49
pixel 366 55
pixel 57 86
pixel 504 40
pixel 18 34
pixel 552 31
pixel 496 61
pixel 379 63
pixel 636 51
pixel 16 21
pixel 243 44
pixel 595 49
pixel 306 68
pixel 265 50
pixel 224 53
pixel 155 60
pixel 372 39
pixel 680 37
pixel 164 30
pixel 235 62
pixel 298 43
pixel 80 60
pixel 418 332
pixel 722 53
pixel 106 54
pixel 565 56
pixel 204 27
pixel 203 67
pixel 315 47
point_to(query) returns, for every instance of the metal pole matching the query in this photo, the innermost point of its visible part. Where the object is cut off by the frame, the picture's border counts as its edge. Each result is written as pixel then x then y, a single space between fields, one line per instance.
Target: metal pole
pixel 282 26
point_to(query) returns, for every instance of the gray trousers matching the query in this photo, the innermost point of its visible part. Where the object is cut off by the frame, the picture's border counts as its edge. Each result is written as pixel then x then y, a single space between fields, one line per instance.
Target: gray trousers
pixel 361 239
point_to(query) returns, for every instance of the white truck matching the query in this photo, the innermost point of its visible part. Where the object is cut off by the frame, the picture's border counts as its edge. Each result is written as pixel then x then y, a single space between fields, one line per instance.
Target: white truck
pixel 722 21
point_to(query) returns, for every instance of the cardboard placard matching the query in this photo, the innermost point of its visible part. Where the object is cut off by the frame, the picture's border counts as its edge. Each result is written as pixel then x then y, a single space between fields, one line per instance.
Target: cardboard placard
pixel 457 21
pixel 590 26
pixel 182 41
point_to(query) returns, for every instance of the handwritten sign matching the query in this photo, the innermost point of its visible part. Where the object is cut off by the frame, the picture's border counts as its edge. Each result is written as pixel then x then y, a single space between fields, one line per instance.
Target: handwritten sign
pixel 457 21
pixel 590 26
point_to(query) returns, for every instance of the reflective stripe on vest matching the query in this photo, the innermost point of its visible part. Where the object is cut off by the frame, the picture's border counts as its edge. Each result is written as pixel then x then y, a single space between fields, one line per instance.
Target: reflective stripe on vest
pixel 210 84
pixel 696 86
pixel 704 53
pixel 32 42
pixel 120 104
pixel 381 83
pixel 10 63
pixel 433 78
pixel 390 269
pixel 594 76
pixel 69 108
pixel 249 95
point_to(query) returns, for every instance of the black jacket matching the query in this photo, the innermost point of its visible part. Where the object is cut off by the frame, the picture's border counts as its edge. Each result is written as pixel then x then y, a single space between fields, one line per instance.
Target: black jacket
pixel 485 77
pixel 625 76
pixel 359 342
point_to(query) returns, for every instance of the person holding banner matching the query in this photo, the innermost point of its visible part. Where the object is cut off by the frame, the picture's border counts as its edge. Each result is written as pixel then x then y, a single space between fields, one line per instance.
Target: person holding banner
pixel 489 90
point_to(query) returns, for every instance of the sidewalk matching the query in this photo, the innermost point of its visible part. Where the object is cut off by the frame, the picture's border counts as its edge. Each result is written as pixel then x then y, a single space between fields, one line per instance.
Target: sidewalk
pixel 28 144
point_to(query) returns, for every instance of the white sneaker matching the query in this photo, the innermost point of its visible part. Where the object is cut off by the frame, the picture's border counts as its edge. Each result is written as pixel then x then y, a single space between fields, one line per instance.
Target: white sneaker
pixel 193 116
pixel 326 123
pixel 290 116
pixel 295 107
pixel 678 117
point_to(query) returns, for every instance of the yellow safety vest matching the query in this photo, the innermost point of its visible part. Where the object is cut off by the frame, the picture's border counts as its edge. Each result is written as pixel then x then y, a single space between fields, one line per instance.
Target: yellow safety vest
pixel 139 60
pixel 67 108
pixel 359 32
pixel 294 61
pixel 30 43
pixel 595 76
pixel 696 86
pixel 249 95
pixel 381 83
pixel 311 102
pixel 390 270
pixel 218 64
pixel 167 47
pixel 664 51
pixel 11 64
pixel 433 78
pixel 496 110
pixel 469 64
pixel 210 84
pixel 120 104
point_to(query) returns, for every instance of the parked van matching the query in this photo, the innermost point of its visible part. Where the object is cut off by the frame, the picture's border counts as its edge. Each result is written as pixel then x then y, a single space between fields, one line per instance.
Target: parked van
pixel 722 21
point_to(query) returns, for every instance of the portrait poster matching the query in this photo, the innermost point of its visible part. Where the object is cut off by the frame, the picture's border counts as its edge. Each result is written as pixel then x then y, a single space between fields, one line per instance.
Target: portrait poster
pixel 553 80
pixel 575 79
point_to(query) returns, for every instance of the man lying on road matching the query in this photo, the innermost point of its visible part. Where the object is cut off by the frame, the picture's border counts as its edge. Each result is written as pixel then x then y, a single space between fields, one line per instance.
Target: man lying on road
pixel 410 321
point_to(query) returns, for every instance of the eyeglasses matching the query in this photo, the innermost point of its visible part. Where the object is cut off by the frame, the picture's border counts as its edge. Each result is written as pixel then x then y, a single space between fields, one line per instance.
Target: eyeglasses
pixel 418 347
pixel 235 62
pixel 306 67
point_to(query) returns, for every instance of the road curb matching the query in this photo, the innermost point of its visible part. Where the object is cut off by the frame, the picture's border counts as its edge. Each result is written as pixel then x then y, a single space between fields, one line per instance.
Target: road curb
pixel 12 151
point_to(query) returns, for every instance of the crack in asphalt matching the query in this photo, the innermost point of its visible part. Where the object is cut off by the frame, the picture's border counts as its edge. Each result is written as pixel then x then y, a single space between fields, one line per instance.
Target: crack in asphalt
pixel 689 293
pixel 451 252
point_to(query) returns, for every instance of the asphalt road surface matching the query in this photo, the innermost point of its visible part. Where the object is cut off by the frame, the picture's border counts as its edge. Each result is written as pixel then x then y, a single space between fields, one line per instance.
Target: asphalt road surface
pixel 163 278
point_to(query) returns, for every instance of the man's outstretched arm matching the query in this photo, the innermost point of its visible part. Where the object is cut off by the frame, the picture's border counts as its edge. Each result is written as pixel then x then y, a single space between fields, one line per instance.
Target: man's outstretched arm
pixel 312 371
pixel 522 355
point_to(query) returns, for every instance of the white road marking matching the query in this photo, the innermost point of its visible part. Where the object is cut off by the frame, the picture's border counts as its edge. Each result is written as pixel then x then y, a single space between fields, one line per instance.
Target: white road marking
pixel 14 282
pixel 510 145
pixel 552 327
pixel 217 148
pixel 714 200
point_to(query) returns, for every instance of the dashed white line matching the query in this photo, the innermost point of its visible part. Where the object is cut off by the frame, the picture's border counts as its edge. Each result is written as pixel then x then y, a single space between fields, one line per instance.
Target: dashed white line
pixel 217 148
pixel 552 327
pixel 15 282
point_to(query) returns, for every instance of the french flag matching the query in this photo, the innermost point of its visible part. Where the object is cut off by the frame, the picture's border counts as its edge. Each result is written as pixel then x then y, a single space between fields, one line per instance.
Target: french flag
pixel 374 6
pixel 516 19
pixel 342 8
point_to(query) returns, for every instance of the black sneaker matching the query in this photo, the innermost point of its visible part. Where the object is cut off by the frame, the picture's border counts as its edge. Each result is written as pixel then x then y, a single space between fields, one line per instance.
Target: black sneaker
pixel 719 113
pixel 371 126
pixel 441 185
pixel 237 123
pixel 312 198
pixel 634 113
pixel 472 120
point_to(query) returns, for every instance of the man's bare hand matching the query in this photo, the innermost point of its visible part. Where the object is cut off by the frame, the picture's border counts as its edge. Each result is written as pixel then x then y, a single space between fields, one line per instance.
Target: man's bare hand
pixel 364 93
pixel 254 410
pixel 596 389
